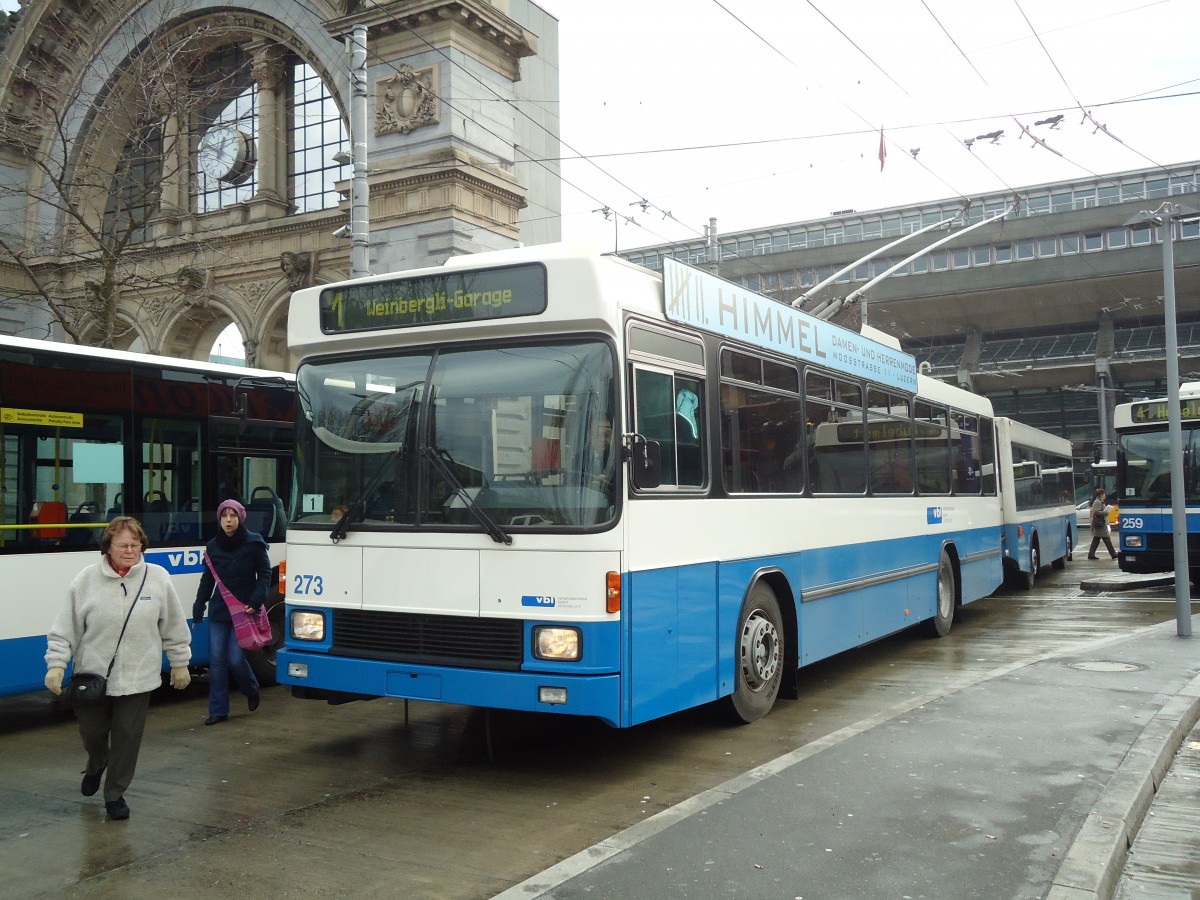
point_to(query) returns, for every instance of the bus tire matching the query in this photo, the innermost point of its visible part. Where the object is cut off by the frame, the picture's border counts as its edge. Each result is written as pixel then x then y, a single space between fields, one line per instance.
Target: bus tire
pixel 262 662
pixel 1026 580
pixel 947 598
pixel 759 656
pixel 1061 562
pixel 262 665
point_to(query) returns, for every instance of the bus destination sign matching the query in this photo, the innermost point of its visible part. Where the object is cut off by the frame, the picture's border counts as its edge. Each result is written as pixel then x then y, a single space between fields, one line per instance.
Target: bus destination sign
pixel 452 296
pixel 1151 411
pixel 882 432
pixel 705 301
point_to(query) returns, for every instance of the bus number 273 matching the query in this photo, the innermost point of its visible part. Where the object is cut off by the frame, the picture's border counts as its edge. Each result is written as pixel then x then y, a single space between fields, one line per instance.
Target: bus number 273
pixel 309 584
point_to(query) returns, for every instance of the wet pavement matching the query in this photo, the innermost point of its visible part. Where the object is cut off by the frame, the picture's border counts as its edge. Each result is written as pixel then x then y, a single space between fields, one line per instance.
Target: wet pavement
pixel 1032 781
pixel 965 766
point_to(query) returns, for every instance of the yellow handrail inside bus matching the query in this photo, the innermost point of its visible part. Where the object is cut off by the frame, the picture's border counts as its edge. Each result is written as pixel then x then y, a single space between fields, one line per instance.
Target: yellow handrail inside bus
pixel 33 525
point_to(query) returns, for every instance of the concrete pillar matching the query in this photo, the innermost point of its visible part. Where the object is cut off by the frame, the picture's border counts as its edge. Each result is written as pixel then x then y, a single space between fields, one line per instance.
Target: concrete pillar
pixel 266 67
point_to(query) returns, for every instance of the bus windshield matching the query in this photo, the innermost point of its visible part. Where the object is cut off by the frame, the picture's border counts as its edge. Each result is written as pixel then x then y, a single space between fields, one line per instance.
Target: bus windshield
pixel 1146 466
pixel 525 430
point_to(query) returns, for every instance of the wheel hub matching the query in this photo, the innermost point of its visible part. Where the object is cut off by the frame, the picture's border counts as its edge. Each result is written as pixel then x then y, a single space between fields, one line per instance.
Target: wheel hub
pixel 759 650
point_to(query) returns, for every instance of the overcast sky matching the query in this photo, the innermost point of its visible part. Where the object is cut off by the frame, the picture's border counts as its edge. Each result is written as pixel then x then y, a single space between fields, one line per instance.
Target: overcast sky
pixel 761 112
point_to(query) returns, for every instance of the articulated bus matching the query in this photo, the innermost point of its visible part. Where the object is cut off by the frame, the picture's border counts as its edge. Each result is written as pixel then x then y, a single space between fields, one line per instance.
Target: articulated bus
pixel 1039 511
pixel 1144 482
pixel 546 480
pixel 88 434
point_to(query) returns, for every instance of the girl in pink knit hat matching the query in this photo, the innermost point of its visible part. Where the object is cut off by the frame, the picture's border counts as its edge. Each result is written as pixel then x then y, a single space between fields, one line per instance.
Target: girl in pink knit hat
pixel 241 560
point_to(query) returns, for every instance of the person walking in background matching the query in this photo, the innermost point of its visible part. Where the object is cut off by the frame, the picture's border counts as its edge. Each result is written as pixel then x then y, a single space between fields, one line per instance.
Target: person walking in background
pixel 241 561
pixel 122 614
pixel 1100 532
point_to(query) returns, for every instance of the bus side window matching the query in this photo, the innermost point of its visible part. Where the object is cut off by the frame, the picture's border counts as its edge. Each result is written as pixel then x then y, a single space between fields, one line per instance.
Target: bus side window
pixel 669 410
pixel 688 429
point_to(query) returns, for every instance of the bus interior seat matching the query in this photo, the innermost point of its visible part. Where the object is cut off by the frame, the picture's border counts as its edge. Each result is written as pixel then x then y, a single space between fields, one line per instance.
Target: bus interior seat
pixel 157 519
pixel 264 512
pixel 50 512
pixel 186 522
pixel 86 512
pixel 691 469
pixel 116 509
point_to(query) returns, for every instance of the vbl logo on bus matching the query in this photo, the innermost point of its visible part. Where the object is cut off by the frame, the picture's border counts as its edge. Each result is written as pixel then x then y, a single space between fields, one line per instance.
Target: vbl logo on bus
pixel 178 561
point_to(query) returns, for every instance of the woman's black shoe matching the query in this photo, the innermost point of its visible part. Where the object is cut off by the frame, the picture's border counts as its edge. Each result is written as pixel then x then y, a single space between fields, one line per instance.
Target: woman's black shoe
pixel 253 702
pixel 117 809
pixel 213 720
pixel 90 783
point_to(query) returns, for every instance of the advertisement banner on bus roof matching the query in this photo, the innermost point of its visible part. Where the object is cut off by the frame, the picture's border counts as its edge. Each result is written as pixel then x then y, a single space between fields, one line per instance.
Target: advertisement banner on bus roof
pixel 693 297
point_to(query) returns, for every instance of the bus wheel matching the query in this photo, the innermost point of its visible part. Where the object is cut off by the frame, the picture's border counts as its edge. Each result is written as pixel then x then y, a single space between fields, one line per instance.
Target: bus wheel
pixel 1026 580
pixel 760 656
pixel 943 617
pixel 1061 562
pixel 262 662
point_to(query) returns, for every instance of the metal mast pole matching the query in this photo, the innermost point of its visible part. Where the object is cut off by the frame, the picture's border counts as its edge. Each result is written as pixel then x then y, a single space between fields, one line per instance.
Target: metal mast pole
pixel 360 244
pixel 1183 606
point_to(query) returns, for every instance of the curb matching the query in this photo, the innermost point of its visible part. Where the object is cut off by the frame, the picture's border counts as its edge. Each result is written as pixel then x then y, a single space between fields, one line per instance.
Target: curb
pixel 1092 866
pixel 1127 583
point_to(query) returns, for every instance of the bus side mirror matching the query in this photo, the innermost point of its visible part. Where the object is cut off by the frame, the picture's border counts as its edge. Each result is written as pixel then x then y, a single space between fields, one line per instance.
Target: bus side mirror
pixel 646 463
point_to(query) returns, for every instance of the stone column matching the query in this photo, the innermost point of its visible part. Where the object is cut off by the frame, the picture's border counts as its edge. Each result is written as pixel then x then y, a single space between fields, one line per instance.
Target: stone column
pixel 176 163
pixel 270 200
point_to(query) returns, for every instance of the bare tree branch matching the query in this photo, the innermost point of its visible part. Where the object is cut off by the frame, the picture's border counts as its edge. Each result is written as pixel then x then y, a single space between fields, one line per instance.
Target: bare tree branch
pixel 95 198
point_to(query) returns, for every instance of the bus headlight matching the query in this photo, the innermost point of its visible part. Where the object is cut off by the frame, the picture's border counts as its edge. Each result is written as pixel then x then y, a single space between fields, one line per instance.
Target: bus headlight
pixel 307 626
pixel 1133 540
pixel 557 643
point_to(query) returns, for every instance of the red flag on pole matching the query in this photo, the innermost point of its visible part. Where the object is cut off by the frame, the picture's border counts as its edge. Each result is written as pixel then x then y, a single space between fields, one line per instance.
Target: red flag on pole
pixel 882 150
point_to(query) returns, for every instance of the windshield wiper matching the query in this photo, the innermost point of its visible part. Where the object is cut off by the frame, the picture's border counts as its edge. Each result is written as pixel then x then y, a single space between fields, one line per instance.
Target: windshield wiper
pixel 490 525
pixel 358 504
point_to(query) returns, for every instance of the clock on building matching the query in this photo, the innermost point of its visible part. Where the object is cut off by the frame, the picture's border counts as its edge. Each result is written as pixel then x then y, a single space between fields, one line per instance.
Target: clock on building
pixel 226 153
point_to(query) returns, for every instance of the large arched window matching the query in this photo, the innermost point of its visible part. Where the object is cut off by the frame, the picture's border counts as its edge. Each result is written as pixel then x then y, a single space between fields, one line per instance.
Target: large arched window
pixel 133 198
pixel 317 133
pixel 227 147
pixel 231 126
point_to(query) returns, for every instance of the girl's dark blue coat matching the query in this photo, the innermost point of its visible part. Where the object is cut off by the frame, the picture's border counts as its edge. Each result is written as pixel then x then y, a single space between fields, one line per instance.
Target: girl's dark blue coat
pixel 246 571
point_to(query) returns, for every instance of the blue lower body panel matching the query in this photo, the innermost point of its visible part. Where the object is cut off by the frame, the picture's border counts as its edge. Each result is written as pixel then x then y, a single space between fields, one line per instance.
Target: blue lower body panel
pixel 22 665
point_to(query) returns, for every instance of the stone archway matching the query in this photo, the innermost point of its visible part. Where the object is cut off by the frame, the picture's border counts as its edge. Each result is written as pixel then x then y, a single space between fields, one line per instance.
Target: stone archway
pixel 129 333
pixel 270 338
pixel 192 328
pixel 257 306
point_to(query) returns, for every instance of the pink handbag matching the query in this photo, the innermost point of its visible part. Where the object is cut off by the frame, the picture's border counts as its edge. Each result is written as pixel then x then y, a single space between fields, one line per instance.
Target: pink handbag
pixel 253 631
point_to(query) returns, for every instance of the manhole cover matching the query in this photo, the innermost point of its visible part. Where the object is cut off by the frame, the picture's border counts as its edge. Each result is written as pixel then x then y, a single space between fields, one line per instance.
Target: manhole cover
pixel 1104 665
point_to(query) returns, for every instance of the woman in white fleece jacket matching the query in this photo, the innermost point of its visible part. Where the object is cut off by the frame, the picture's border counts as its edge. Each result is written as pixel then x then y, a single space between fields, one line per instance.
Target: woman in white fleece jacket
pixel 88 629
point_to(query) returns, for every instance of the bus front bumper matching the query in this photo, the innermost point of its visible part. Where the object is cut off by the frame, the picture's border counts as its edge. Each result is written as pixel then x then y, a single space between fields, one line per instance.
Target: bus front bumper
pixel 335 679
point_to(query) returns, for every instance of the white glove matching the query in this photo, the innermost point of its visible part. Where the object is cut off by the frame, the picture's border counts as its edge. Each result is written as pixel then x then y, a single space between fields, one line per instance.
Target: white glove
pixel 180 678
pixel 54 679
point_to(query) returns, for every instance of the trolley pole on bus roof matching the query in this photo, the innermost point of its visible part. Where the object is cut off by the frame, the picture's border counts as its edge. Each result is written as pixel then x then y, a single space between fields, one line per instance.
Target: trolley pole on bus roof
pixel 1165 217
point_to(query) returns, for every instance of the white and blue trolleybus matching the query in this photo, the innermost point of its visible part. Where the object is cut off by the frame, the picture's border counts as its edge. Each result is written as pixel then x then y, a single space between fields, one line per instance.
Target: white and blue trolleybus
pixel 1039 510
pixel 88 434
pixel 1144 482
pixel 543 479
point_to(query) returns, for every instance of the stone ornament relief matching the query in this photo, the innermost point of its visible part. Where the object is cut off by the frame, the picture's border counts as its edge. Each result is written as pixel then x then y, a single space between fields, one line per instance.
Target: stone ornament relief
pixel 297 269
pixel 406 101
pixel 254 293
